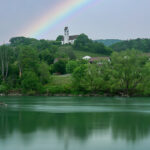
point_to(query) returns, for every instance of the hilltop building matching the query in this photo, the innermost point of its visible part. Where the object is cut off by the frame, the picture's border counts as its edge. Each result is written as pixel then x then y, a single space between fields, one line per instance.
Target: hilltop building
pixel 67 39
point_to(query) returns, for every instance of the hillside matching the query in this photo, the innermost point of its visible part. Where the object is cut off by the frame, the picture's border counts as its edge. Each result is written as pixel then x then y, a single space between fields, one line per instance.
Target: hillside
pixel 80 54
pixel 108 42
pixel 69 51
pixel 138 44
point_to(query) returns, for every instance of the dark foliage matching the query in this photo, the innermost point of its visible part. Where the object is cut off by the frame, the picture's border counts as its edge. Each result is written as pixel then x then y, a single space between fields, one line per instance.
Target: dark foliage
pixel 83 43
pixel 138 44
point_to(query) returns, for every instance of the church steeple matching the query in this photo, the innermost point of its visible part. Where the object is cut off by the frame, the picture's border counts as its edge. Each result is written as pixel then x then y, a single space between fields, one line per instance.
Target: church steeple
pixel 66 35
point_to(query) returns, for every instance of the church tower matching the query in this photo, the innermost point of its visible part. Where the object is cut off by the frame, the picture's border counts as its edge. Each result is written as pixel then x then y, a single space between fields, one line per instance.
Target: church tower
pixel 66 35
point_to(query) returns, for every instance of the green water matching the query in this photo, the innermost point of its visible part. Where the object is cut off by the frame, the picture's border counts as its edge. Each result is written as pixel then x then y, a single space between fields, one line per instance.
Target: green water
pixel 75 123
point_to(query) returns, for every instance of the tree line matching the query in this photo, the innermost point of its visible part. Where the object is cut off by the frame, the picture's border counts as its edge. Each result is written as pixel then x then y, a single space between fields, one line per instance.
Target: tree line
pixel 28 66
pixel 138 44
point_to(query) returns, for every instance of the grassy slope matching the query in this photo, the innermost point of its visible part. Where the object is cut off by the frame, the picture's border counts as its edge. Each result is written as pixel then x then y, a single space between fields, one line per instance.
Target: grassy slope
pixel 61 80
pixel 80 54
pixel 60 84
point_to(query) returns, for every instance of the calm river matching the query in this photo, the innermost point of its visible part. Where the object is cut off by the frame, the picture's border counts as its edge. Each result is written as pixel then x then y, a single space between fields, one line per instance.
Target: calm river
pixel 75 123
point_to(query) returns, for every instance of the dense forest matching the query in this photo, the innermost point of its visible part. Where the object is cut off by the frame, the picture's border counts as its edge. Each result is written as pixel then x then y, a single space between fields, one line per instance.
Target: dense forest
pixel 138 44
pixel 30 66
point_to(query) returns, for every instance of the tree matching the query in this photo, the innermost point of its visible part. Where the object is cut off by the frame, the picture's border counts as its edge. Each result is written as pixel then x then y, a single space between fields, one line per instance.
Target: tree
pixel 93 79
pixel 60 38
pixel 28 59
pixel 66 52
pixel 143 88
pixel 83 43
pixel 4 59
pixel 12 80
pixel 43 73
pixel 71 65
pixel 78 77
pixel 60 66
pixel 44 44
pixel 47 56
pixel 30 81
pixel 3 88
pixel 88 78
pixel 16 41
pixel 126 71
pixel 139 44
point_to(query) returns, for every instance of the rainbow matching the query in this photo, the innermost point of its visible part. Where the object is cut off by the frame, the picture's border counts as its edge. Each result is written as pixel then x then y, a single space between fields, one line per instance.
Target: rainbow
pixel 54 16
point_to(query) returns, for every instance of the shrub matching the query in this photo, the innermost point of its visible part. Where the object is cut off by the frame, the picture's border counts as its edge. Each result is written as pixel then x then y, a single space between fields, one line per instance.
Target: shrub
pixel 3 88
pixel 71 65
pixel 60 66
pixel 55 89
pixel 30 82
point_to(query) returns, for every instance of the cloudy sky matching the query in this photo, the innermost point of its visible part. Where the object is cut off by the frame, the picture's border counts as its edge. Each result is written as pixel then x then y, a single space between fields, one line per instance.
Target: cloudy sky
pixel 99 19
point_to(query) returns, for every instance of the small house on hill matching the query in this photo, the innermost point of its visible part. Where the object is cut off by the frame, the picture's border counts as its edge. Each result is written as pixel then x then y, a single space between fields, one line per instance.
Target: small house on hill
pixel 86 58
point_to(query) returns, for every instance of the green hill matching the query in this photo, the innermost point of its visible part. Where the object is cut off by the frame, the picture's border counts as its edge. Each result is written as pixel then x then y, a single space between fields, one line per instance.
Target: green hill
pixel 138 44
pixel 81 54
pixel 65 51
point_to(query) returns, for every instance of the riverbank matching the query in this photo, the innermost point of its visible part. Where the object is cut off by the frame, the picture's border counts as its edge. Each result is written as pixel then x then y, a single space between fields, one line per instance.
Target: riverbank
pixel 65 95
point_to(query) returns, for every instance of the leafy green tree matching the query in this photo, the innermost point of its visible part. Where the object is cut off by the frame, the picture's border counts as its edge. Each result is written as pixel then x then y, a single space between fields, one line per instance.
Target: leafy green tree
pixel 60 38
pixel 65 52
pixel 16 41
pixel 5 52
pixel 71 65
pixel 13 79
pixel 43 73
pixel 60 66
pixel 139 44
pixel 46 56
pixel 126 71
pixel 83 43
pixel 34 43
pixel 144 87
pixel 30 82
pixel 78 76
pixel 28 59
pixel 44 44
pixel 3 88
pixel 88 78
pixel 93 79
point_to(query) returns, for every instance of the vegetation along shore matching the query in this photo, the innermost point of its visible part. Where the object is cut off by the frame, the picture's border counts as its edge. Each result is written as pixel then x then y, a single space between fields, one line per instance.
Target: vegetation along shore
pixel 41 67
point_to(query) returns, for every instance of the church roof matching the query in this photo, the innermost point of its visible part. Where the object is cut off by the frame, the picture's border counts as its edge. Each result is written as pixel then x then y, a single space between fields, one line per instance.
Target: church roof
pixel 73 37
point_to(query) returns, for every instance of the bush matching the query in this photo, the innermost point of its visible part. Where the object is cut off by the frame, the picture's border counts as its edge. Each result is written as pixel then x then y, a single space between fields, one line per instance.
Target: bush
pixel 87 78
pixel 71 65
pixel 31 93
pixel 60 66
pixel 3 88
pixel 43 73
pixel 30 82
pixel 55 89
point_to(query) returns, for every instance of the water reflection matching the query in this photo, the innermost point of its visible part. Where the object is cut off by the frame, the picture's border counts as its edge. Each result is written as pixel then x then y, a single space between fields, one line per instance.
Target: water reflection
pixel 69 127
pixel 128 126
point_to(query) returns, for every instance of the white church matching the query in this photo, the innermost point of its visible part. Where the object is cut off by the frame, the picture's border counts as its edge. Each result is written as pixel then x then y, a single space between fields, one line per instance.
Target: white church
pixel 67 39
